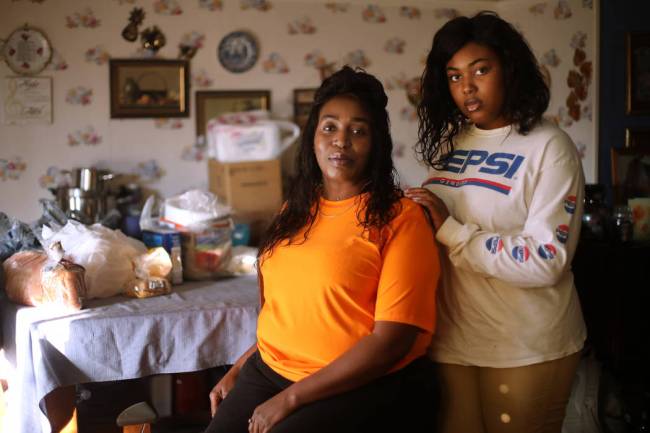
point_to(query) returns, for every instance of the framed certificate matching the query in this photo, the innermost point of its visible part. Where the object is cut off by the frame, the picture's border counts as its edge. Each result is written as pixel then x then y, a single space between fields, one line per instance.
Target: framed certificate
pixel 27 100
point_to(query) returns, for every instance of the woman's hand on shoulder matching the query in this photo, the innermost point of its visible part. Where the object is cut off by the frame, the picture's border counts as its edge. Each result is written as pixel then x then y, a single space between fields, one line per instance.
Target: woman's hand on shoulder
pixel 222 388
pixel 436 208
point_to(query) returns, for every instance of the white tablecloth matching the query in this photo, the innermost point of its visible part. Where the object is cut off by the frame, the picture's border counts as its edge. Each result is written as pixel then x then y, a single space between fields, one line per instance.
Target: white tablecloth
pixel 198 326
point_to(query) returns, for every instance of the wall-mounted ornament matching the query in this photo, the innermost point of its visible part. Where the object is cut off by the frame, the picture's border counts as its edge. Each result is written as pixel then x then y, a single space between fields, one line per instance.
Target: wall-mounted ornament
pixel 27 50
pixel 238 51
pixel 130 32
pixel 152 39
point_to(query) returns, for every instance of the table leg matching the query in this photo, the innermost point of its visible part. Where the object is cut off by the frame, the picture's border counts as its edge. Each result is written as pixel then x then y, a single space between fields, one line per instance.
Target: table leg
pixel 61 411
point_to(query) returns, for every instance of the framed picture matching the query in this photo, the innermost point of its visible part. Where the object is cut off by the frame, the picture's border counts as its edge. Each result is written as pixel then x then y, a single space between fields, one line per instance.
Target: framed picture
pixel 213 103
pixel 302 101
pixel 631 166
pixel 27 100
pixel 149 88
pixel 638 73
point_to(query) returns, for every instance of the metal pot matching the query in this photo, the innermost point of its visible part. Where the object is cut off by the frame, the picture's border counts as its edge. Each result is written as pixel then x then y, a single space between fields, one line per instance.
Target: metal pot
pixel 90 179
pixel 84 206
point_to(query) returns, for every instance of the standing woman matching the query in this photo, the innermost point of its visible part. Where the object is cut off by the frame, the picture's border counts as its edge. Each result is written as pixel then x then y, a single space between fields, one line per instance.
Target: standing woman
pixel 505 199
pixel 348 276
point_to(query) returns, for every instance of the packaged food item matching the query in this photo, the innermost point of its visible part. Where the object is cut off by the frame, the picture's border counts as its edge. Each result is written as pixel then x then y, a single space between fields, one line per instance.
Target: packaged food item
pixel 152 274
pixel 33 278
pixel 207 250
pixel 148 287
pixel 170 240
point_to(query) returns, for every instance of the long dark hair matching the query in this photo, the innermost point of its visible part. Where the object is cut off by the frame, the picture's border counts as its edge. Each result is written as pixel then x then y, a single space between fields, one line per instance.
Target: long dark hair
pixel 305 190
pixel 526 94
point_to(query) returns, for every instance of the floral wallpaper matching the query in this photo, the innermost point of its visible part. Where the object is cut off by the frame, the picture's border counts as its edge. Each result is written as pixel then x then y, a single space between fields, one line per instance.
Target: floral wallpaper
pixel 300 43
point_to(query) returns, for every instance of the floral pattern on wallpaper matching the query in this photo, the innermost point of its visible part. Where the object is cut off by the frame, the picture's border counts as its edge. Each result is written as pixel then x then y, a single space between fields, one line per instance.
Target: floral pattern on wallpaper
pixel 373 14
pixel 538 9
pixel 408 113
pixel 357 59
pixel 562 10
pixel 12 169
pixel 149 171
pixel 165 123
pixel 316 59
pixel 446 13
pixel 301 26
pixel 550 58
pixel 86 19
pixel 196 152
pixel 190 43
pixel 121 2
pixel 578 78
pixel 409 12
pixel 588 4
pixel 79 96
pixel 211 5
pixel 336 7
pixel 86 136
pixel 57 63
pixel 260 5
pixel 275 64
pixel 395 45
pixel 201 79
pixel 398 150
pixel 167 7
pixel 54 178
pixel 97 55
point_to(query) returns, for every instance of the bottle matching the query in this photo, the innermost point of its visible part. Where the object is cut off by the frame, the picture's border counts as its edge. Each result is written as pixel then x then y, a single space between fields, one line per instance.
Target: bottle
pixel 594 214
pixel 623 224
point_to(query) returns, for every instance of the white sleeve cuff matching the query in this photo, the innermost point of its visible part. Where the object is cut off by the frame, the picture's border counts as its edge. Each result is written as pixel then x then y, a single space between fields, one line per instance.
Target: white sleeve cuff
pixel 447 231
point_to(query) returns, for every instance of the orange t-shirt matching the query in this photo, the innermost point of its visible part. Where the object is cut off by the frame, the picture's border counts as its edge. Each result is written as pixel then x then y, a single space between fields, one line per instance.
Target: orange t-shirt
pixel 322 296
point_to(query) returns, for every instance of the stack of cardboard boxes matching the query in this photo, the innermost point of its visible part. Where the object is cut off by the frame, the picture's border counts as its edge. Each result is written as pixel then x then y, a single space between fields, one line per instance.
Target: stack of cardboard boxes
pixel 253 190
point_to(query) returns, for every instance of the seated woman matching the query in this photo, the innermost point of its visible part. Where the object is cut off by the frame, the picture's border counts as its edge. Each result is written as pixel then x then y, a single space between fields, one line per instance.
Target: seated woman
pixel 348 273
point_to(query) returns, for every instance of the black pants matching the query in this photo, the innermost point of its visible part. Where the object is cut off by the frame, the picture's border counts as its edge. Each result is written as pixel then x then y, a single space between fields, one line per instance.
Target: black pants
pixel 390 403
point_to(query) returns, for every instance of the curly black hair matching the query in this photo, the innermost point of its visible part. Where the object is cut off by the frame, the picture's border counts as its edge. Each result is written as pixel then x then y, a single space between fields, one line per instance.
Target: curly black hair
pixel 526 94
pixel 306 185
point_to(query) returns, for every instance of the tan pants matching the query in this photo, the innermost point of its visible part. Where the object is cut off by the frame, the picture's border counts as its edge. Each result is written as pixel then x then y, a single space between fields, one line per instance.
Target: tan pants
pixel 529 399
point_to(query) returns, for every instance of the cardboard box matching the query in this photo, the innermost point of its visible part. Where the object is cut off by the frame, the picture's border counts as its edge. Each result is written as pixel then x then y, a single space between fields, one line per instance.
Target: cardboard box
pixel 253 189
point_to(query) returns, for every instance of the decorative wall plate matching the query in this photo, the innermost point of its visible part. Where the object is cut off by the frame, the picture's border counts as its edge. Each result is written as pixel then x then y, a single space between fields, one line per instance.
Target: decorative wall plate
pixel 238 51
pixel 27 51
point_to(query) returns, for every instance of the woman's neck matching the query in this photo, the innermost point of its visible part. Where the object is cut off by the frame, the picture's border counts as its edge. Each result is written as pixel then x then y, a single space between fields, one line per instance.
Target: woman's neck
pixel 335 192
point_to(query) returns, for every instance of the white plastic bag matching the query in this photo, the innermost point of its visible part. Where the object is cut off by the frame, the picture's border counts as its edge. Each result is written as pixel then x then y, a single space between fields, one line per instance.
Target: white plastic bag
pixel 194 208
pixel 107 255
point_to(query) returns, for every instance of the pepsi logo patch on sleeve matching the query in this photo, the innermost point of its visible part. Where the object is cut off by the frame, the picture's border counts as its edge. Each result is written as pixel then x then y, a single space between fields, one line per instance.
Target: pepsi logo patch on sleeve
pixel 547 251
pixel 520 253
pixel 562 233
pixel 494 244
pixel 570 204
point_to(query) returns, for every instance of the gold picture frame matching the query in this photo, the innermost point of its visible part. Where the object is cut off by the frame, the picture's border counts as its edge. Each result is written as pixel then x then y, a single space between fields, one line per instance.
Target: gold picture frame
pixel 212 103
pixel 149 88
pixel 638 73
pixel 302 102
